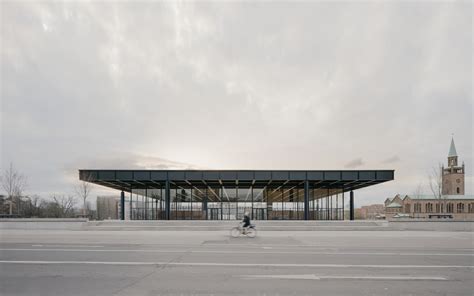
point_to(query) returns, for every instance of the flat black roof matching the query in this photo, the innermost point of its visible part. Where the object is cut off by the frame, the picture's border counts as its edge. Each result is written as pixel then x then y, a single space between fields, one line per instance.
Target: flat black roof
pixel 140 179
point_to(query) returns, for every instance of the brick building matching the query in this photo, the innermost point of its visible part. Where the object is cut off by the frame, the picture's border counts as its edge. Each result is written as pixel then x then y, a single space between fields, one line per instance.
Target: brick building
pixel 457 207
pixel 451 204
pixel 372 212
pixel 453 175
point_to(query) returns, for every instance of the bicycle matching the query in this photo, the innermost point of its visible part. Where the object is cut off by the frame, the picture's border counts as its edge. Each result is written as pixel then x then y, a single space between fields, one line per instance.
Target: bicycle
pixel 250 231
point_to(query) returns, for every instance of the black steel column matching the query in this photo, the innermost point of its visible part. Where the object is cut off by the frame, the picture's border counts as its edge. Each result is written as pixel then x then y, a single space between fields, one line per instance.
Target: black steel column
pixel 131 204
pixel 306 200
pixel 343 205
pixel 191 203
pixel 122 206
pixel 331 207
pixel 161 205
pixel 327 206
pixel 146 203
pixel 282 209
pixel 221 194
pixel 153 206
pixel 204 204
pixel 317 209
pixel 351 205
pixel 251 192
pixel 167 200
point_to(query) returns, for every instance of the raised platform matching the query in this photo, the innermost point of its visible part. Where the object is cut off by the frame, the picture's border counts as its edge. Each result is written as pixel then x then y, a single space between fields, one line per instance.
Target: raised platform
pixel 196 225
pixel 226 225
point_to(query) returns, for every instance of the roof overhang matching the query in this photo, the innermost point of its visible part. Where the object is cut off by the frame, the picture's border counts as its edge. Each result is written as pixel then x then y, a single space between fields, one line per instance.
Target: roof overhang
pixel 126 180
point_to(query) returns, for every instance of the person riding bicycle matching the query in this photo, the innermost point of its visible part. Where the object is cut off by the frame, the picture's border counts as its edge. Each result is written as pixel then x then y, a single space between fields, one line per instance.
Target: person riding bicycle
pixel 246 221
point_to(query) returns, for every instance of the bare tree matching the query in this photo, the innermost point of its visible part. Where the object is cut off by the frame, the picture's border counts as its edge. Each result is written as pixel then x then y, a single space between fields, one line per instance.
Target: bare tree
pixel 436 183
pixel 65 204
pixel 30 206
pixel 61 206
pixel 14 183
pixel 83 190
pixel 418 190
pixel 35 202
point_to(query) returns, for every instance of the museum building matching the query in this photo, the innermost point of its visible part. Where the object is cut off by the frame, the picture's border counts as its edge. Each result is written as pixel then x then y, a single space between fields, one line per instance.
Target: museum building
pixel 228 194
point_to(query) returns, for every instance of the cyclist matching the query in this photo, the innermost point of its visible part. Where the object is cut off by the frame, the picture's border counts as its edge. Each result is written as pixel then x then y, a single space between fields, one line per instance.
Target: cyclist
pixel 246 222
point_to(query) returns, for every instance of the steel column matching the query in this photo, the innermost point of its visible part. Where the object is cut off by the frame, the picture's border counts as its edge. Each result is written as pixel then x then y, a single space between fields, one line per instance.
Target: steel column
pixel 146 203
pixel 161 204
pixel 191 203
pixel 306 200
pixel 282 209
pixel 153 208
pixel 351 205
pixel 204 206
pixel 221 194
pixel 122 205
pixel 252 201
pixel 131 204
pixel 327 205
pixel 343 205
pixel 167 200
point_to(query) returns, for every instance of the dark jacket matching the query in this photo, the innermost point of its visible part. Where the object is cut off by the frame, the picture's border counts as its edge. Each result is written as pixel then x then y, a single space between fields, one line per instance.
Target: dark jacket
pixel 246 221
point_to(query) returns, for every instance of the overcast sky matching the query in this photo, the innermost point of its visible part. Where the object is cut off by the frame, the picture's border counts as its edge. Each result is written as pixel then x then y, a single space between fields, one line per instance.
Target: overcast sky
pixel 314 85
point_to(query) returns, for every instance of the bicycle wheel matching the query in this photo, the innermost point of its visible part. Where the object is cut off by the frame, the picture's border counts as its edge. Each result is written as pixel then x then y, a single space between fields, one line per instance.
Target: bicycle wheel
pixel 251 232
pixel 235 232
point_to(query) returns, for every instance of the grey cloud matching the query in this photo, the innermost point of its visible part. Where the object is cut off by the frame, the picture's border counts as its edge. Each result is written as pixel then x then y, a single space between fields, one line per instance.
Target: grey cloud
pixel 232 85
pixel 121 160
pixel 355 163
pixel 130 161
pixel 392 159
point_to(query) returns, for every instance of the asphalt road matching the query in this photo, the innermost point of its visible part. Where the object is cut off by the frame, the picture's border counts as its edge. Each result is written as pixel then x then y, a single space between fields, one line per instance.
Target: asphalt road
pixel 41 262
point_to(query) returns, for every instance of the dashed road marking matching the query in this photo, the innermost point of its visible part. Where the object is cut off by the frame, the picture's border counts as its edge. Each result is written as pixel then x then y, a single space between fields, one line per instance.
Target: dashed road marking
pixel 235 252
pixel 330 277
pixel 217 264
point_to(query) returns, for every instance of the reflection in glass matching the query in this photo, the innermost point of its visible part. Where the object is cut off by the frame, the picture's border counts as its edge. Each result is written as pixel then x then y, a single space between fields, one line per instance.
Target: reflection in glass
pixel 218 202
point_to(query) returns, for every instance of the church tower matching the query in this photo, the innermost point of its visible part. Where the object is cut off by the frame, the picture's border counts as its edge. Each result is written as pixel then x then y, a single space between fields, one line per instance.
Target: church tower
pixel 453 175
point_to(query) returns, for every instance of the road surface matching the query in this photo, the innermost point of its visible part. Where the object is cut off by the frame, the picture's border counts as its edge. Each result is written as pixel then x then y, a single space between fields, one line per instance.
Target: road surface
pixel 60 262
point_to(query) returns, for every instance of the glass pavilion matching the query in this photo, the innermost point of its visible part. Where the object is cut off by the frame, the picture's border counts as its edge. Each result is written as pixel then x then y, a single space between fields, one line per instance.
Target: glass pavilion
pixel 227 194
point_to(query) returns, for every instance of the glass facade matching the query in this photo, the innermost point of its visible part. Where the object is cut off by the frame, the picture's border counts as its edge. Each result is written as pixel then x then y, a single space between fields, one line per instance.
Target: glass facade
pixel 228 194
pixel 231 202
pixel 146 204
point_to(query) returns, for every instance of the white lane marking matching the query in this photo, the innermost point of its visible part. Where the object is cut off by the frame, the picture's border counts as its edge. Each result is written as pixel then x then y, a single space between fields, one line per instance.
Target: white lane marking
pixel 393 278
pixel 267 248
pixel 224 228
pixel 234 252
pixel 329 277
pixel 276 246
pixel 73 246
pixel 282 277
pixel 323 246
pixel 233 264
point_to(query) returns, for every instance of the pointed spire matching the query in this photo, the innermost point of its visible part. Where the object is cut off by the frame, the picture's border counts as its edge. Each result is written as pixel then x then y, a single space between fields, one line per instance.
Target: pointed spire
pixel 452 149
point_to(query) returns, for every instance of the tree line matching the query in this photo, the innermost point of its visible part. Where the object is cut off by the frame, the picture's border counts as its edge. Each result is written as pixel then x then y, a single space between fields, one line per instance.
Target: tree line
pixel 16 204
